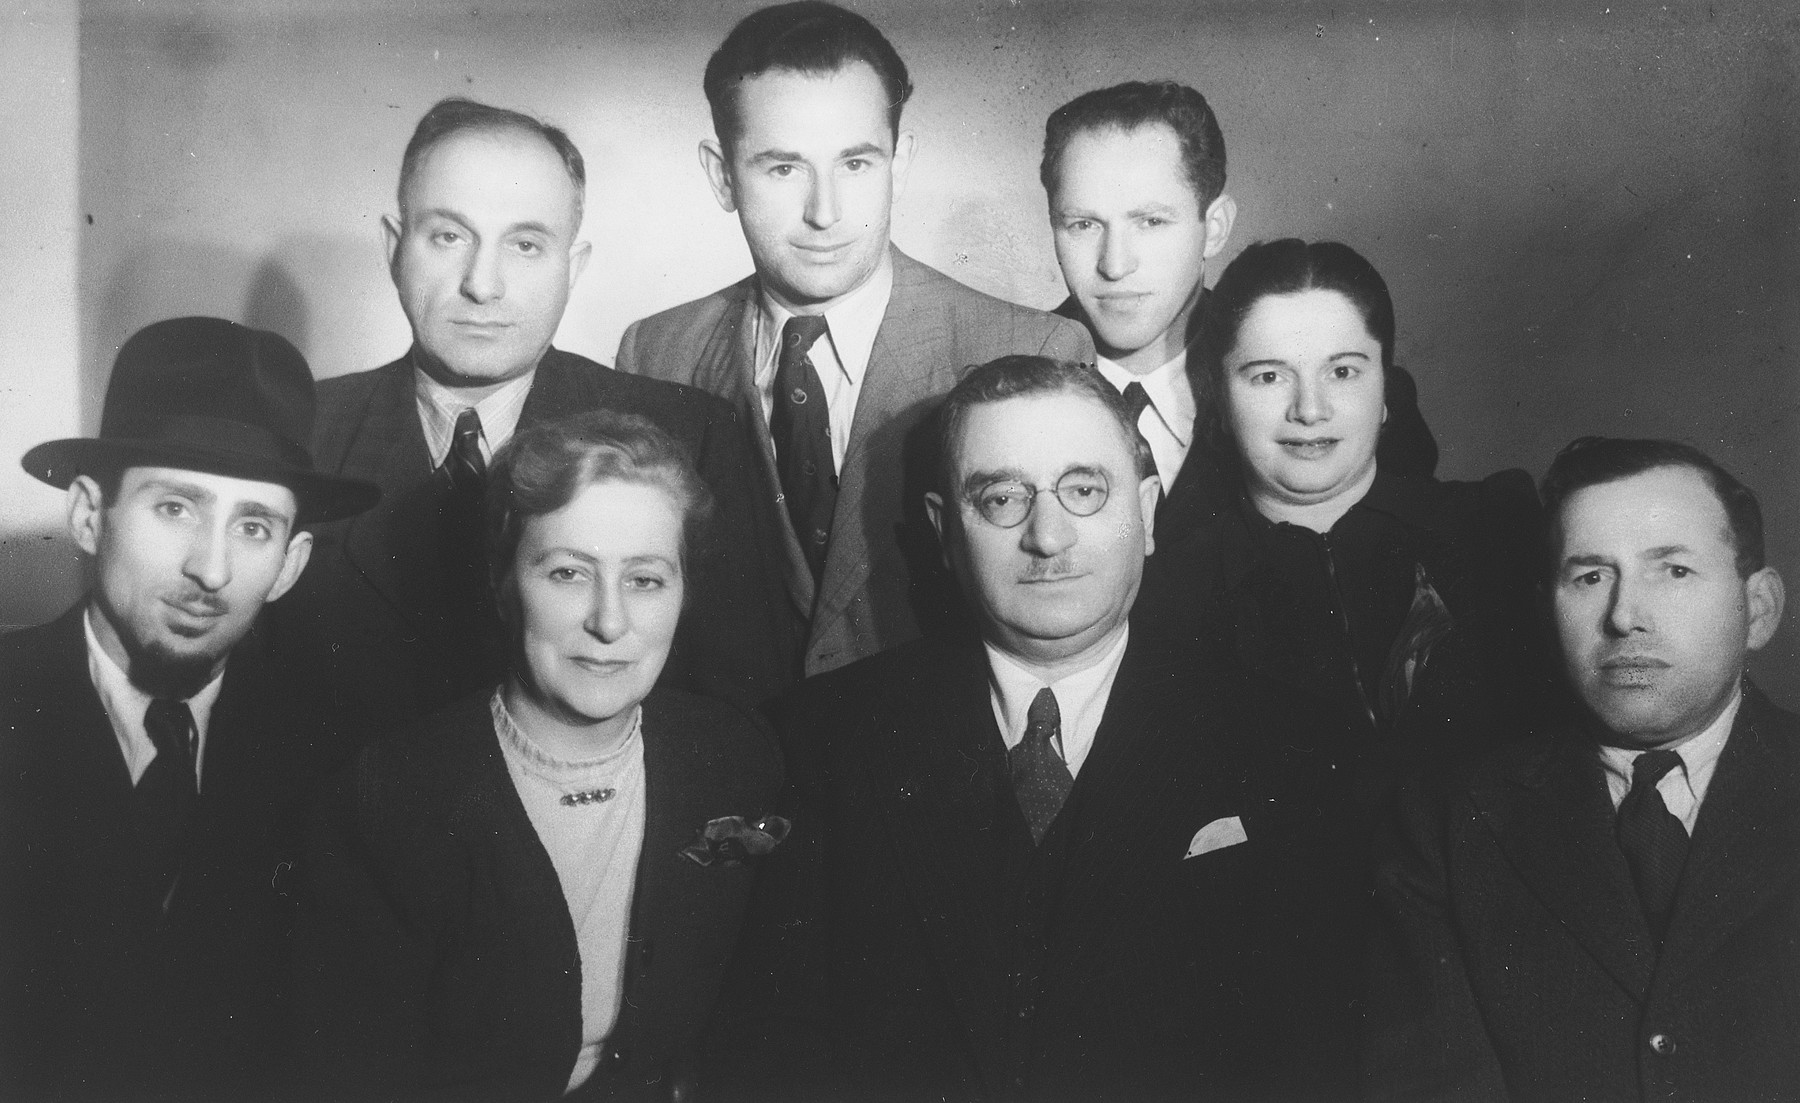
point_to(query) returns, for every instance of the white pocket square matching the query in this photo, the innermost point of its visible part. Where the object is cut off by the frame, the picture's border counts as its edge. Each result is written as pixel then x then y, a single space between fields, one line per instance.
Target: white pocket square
pixel 1217 835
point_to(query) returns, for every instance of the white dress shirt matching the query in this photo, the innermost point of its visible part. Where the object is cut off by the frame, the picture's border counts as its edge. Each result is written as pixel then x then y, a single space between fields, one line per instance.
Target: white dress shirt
pixel 438 406
pixel 594 847
pixel 1168 422
pixel 841 357
pixel 125 705
pixel 1080 698
pixel 1682 788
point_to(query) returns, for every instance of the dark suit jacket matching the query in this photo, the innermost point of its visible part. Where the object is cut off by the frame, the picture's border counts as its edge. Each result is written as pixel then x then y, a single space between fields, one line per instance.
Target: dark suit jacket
pixel 100 996
pixel 884 581
pixel 1513 959
pixel 375 598
pixel 909 943
pixel 436 956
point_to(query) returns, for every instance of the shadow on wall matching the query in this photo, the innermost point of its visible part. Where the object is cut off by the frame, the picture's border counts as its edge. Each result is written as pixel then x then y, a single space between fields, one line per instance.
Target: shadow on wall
pixel 40 570
pixel 40 576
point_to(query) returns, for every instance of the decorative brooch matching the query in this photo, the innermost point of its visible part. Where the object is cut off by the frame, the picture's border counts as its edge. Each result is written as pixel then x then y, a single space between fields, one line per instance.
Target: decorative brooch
pixel 586 796
pixel 734 841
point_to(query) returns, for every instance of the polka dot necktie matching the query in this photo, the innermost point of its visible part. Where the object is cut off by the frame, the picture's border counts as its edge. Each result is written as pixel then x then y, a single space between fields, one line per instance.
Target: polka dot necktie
pixel 1653 839
pixel 800 425
pixel 1040 777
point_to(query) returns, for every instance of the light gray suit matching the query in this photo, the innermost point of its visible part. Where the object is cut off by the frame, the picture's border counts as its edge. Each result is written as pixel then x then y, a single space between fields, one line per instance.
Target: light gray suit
pixel 883 582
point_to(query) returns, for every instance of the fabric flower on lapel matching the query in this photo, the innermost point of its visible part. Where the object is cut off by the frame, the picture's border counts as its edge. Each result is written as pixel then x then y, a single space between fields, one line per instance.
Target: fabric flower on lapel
pixel 732 840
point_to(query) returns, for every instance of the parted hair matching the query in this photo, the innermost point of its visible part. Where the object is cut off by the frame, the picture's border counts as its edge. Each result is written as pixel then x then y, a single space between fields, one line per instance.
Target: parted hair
pixel 544 467
pixel 459 114
pixel 1282 267
pixel 1139 103
pixel 1591 461
pixel 809 36
pixel 1021 376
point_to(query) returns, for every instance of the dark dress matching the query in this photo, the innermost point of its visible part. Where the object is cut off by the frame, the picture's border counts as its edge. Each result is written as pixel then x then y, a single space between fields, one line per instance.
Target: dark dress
pixel 1405 635
pixel 435 954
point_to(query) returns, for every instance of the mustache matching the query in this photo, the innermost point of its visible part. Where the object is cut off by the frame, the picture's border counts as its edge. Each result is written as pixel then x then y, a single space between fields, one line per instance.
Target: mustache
pixel 1057 566
pixel 197 600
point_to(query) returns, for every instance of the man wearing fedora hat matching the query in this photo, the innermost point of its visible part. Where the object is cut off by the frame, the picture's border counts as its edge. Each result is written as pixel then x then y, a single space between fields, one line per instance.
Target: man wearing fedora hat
pixel 151 757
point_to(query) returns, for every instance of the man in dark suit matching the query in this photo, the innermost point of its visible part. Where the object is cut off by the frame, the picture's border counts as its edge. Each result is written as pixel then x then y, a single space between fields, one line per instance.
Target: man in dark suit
pixel 1135 176
pixel 1609 913
pixel 152 760
pixel 483 254
pixel 837 346
pixel 1021 866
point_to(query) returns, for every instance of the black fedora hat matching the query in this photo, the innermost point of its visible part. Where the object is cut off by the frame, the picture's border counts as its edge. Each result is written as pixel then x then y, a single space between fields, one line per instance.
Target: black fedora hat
pixel 205 394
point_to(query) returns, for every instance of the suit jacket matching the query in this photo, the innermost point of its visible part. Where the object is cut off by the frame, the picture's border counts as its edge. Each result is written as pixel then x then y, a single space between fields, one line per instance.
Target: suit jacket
pixel 101 996
pixel 910 942
pixel 375 596
pixel 1513 959
pixel 884 581
pixel 436 956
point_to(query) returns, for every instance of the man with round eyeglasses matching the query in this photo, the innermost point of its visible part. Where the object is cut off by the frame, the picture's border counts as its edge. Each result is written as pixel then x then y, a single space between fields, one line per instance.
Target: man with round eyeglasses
pixel 1021 867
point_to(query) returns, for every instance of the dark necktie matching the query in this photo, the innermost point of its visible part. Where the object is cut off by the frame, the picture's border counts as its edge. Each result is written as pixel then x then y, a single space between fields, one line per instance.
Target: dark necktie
pixel 1654 842
pixel 464 469
pixel 1138 399
pixel 1040 777
pixel 166 795
pixel 470 619
pixel 800 424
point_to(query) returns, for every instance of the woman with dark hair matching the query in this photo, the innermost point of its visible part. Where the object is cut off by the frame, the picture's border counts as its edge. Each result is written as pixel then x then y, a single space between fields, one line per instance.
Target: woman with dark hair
pixel 1379 621
pixel 1398 608
pixel 533 894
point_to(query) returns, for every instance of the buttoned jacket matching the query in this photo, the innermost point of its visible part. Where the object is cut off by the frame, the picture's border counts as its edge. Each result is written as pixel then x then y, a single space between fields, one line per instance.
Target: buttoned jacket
pixel 1513 960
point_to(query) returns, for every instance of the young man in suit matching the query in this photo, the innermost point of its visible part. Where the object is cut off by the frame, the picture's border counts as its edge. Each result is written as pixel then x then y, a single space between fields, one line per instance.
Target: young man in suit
pixel 1609 913
pixel 1021 866
pixel 837 346
pixel 483 254
pixel 1135 176
pixel 152 756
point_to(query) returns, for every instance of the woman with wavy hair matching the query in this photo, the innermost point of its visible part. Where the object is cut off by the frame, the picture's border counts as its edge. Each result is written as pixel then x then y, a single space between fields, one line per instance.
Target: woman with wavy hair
pixel 534 893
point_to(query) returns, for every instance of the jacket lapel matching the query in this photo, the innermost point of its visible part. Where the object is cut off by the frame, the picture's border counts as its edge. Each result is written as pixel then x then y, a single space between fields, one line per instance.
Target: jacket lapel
pixel 1745 842
pixel 1553 819
pixel 907 357
pixel 1153 719
pixel 934 772
pixel 727 367
pixel 392 546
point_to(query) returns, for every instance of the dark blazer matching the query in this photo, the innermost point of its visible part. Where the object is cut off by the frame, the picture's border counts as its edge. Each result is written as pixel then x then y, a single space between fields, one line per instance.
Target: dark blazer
pixel 375 594
pixel 909 943
pixel 1513 960
pixel 101 996
pixel 884 581
pixel 1208 482
pixel 436 956
pixel 1407 634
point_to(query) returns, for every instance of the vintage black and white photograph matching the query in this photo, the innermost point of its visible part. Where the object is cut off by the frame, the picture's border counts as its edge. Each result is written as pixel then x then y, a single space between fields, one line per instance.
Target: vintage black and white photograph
pixel 1013 551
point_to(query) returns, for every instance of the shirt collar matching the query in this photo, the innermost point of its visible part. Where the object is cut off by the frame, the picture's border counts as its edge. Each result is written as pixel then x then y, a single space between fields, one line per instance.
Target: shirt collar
pixel 852 323
pixel 1699 755
pixel 1170 390
pixel 438 406
pixel 1015 685
pixel 126 704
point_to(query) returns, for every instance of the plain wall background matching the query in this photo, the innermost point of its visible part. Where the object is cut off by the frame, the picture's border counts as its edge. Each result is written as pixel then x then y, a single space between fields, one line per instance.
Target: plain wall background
pixel 1587 212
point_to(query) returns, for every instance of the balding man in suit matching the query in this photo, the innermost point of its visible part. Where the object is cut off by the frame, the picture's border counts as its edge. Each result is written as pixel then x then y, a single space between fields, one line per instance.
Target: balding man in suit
pixel 483 253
